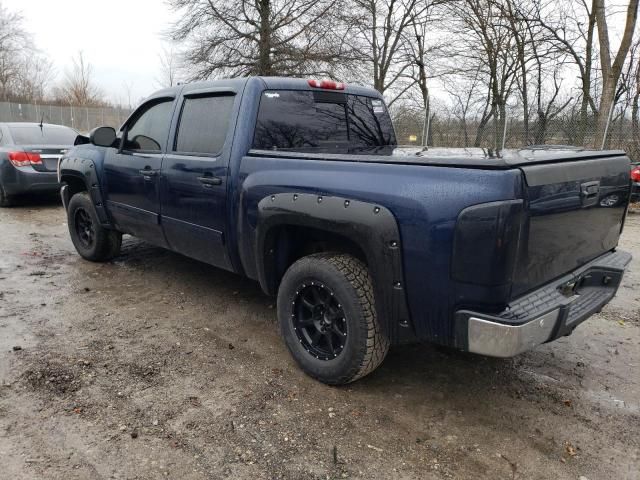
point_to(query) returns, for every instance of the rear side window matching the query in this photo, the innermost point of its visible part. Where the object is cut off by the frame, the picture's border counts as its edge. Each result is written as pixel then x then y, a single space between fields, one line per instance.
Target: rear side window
pixel 47 135
pixel 149 132
pixel 204 123
pixel 322 121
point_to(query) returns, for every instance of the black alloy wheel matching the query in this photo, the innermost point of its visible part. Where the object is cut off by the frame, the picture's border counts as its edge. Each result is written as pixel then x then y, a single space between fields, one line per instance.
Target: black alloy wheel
pixel 92 240
pixel 84 227
pixel 319 321
pixel 328 319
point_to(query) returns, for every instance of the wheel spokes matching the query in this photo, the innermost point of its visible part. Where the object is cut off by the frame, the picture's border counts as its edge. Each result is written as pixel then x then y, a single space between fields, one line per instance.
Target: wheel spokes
pixel 335 329
pixel 316 293
pixel 307 304
pixel 305 322
pixel 330 343
pixel 84 227
pixel 316 336
pixel 319 321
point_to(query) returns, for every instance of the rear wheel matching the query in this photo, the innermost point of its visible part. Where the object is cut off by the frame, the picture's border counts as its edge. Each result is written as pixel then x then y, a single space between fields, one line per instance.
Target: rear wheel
pixel 92 241
pixel 328 320
pixel 5 200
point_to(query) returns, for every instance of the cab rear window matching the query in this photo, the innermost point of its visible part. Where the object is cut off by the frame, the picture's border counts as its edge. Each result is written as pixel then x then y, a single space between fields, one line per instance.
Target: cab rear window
pixel 47 135
pixel 321 121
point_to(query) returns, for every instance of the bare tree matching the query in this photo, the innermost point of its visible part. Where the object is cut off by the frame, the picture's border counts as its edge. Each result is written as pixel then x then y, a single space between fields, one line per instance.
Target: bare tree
pixel 421 54
pixel 383 29
pixel 547 108
pixel 611 67
pixel 469 105
pixel 541 63
pixel 487 43
pixel 259 37
pixel 631 80
pixel 15 45
pixel 635 116
pixel 569 28
pixel 34 78
pixel 169 67
pixel 127 87
pixel 78 87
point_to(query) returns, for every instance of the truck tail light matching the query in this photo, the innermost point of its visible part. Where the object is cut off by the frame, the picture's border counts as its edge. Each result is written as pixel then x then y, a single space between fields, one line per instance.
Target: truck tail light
pixel 24 159
pixel 486 242
pixel 635 174
pixel 326 84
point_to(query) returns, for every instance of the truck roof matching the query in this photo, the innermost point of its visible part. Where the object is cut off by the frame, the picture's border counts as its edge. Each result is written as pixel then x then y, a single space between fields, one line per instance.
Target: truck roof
pixel 275 83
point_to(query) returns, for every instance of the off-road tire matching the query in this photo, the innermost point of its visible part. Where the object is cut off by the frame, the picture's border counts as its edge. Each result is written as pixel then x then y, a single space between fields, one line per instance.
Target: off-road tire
pixel 5 200
pixel 106 243
pixel 349 280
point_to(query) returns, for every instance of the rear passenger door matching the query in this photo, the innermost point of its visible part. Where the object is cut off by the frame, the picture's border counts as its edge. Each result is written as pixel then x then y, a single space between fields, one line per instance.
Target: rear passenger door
pixel 194 177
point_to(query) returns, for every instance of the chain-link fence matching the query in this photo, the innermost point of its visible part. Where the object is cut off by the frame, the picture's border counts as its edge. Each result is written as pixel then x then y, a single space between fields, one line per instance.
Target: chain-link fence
pixel 82 119
pixel 444 131
pixel 455 132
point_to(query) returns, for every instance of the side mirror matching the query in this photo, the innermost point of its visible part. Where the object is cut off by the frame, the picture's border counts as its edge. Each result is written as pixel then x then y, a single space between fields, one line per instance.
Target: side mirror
pixel 81 140
pixel 102 136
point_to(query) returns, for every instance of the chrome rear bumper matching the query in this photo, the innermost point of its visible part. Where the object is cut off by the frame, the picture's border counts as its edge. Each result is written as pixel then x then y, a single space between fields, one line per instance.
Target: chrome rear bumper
pixel 498 340
pixel 546 314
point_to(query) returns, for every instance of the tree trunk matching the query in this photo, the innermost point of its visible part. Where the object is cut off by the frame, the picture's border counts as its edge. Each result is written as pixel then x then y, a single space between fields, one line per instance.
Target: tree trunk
pixel 635 124
pixel 486 116
pixel 264 66
pixel 607 101
pixel 611 71
pixel 586 82
pixel 500 122
pixel 541 129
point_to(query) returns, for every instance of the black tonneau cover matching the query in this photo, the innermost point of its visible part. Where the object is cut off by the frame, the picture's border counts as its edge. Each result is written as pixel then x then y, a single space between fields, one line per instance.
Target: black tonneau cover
pixel 455 157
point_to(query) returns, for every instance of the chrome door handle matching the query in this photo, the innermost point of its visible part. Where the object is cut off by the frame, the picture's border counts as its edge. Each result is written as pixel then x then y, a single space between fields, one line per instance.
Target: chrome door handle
pixel 210 180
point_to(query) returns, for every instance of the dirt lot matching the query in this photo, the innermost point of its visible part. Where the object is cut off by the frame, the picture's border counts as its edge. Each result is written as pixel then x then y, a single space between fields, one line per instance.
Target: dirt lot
pixel 157 366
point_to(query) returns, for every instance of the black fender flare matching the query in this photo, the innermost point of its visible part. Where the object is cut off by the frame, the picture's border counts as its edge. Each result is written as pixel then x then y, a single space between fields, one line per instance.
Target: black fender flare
pixel 84 170
pixel 372 227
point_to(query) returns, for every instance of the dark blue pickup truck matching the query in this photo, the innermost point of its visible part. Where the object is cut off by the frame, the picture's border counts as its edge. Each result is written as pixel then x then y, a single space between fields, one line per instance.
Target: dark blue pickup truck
pixel 300 185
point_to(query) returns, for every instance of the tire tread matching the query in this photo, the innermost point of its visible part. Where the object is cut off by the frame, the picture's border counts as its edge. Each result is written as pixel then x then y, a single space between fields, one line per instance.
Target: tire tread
pixel 108 241
pixel 377 344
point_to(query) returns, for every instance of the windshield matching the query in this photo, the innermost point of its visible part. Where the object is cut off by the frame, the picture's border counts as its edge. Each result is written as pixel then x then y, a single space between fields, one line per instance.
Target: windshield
pixel 47 135
pixel 322 121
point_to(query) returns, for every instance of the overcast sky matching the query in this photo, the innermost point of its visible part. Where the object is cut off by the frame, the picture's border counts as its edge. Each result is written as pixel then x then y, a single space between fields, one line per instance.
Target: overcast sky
pixel 120 38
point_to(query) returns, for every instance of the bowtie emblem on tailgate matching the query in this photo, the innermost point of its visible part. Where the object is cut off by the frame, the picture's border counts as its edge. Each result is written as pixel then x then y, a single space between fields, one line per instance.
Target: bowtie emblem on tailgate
pixel 589 193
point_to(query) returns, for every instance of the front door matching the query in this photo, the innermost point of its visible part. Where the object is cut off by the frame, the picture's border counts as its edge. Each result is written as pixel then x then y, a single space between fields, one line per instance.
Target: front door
pixel 132 172
pixel 194 178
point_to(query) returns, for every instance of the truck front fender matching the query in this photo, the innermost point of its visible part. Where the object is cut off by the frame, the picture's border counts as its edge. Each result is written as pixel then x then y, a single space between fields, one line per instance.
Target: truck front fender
pixel 373 228
pixel 80 174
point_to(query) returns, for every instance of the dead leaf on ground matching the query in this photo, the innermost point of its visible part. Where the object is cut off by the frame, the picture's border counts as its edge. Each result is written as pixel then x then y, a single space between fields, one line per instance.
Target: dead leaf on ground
pixel 570 449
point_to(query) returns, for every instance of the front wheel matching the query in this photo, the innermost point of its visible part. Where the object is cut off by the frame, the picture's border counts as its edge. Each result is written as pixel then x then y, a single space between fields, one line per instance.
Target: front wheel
pixel 328 319
pixel 92 241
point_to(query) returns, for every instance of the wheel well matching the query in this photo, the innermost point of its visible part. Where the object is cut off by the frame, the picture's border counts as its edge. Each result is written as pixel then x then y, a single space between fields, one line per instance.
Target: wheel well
pixel 76 184
pixel 286 244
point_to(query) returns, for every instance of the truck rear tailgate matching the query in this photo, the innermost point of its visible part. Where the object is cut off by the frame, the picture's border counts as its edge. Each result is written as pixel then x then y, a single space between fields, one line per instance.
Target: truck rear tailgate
pixel 575 210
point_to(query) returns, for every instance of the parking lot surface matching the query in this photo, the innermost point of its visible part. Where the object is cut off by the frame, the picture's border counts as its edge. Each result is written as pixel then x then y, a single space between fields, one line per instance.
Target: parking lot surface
pixel 157 366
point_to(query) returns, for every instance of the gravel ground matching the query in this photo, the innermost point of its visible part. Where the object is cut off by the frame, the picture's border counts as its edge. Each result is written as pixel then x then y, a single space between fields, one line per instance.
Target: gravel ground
pixel 157 366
